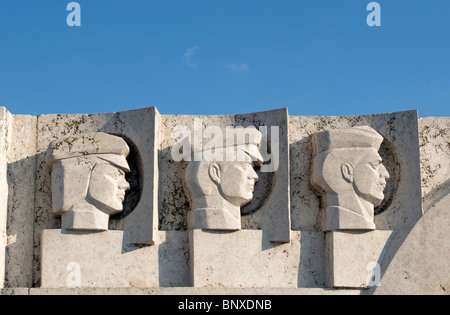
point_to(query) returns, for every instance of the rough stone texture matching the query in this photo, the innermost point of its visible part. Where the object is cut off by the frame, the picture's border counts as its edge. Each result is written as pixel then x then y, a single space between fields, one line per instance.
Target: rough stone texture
pixel 444 289
pixel 5 139
pixel 226 292
pixel 420 265
pixel 434 153
pixel 351 257
pixel 108 260
pixel 15 291
pixel 400 153
pixel 247 259
pixel 21 220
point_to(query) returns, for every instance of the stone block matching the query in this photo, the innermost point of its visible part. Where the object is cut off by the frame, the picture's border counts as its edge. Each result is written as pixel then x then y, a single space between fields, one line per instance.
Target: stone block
pixel 352 258
pixel 5 141
pixel 107 260
pixel 218 291
pixel 247 259
pixel 21 200
pixel 15 291
pixel 142 127
pixel 402 206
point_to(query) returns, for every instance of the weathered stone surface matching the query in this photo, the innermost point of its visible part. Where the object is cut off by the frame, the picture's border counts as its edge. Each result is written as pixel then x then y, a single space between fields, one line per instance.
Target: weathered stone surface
pixel 148 250
pixel 434 153
pixel 15 291
pixel 220 291
pixel 21 201
pixel 420 265
pixel 108 260
pixel 353 256
pixel 5 139
pixel 247 259
pixel 96 260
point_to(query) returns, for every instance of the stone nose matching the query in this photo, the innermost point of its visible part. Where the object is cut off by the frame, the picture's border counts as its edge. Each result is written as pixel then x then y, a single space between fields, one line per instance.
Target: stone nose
pixel 123 184
pixel 253 175
pixel 384 172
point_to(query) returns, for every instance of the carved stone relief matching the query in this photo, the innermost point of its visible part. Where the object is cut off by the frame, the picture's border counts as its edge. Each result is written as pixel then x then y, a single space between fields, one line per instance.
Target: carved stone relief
pixel 269 210
pixel 208 220
pixel 348 172
pixel 88 179
pixel 219 187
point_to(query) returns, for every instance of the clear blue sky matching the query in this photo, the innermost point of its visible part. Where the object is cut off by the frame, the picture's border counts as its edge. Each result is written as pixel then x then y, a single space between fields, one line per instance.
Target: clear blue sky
pixel 315 57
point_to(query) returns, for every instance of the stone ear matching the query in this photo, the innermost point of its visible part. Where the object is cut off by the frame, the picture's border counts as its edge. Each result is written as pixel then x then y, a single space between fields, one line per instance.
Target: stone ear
pixel 347 172
pixel 214 173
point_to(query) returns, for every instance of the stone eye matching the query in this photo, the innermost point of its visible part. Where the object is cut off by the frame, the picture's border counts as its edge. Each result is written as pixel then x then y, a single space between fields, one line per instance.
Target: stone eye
pixel 375 164
pixel 245 166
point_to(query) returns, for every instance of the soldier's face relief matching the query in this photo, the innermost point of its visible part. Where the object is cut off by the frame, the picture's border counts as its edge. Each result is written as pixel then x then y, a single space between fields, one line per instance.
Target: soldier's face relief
pixel 237 182
pixel 369 178
pixel 107 187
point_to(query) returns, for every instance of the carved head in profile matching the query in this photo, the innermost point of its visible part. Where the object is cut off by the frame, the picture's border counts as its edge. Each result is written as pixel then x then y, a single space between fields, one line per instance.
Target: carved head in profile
pixel 219 187
pixel 348 172
pixel 88 179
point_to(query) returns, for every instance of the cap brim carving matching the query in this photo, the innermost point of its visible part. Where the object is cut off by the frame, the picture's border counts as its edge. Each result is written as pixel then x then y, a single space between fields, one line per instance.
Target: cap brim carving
pixel 107 147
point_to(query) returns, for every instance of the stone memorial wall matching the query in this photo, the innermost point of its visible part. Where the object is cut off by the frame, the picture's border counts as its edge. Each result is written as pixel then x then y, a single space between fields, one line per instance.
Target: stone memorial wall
pixel 261 203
